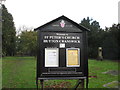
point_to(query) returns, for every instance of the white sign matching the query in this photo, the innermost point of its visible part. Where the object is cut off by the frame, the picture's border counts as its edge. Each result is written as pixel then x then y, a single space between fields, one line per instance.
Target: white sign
pixel 51 57
pixel 62 45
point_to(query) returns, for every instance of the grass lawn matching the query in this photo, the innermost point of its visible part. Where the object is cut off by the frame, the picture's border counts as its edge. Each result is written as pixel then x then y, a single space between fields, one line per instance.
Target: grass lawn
pixel 20 72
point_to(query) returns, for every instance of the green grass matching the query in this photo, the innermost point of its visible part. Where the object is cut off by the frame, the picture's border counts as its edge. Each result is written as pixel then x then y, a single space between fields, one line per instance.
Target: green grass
pixel 20 72
pixel 96 68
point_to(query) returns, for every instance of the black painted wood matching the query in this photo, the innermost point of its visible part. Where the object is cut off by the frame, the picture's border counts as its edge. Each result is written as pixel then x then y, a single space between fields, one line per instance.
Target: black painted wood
pixel 51 35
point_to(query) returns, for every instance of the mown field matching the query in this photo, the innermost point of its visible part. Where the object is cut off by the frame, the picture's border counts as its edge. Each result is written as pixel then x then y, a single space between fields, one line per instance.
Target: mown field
pixel 20 72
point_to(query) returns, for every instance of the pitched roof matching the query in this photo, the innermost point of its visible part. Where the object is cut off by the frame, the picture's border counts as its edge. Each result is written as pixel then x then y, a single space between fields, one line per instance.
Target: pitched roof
pixel 63 18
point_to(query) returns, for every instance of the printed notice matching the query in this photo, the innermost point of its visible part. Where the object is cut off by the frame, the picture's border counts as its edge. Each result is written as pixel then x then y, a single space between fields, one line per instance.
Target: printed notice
pixel 73 57
pixel 51 57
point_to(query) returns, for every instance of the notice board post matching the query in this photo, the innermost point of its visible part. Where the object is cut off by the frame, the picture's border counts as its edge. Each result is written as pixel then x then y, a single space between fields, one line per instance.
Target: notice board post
pixel 62 51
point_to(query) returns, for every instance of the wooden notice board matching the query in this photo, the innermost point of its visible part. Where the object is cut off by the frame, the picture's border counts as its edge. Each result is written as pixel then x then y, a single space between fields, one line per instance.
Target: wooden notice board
pixel 73 57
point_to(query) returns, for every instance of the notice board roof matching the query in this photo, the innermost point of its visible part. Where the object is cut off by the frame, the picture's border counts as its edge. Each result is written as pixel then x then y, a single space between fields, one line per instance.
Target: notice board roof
pixel 62 23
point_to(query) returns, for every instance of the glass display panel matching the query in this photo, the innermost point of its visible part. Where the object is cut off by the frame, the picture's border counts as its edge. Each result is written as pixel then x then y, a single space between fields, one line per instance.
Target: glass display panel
pixel 51 57
pixel 73 57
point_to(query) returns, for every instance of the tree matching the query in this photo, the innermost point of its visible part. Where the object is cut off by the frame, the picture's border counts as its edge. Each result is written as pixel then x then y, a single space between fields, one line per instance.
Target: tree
pixel 27 43
pixel 111 44
pixel 108 39
pixel 94 36
pixel 8 33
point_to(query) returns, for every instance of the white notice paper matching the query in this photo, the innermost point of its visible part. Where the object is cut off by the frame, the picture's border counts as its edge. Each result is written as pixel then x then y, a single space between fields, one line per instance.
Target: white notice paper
pixel 51 57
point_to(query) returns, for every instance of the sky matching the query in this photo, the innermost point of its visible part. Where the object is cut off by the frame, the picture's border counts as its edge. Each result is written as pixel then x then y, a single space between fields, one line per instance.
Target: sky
pixel 34 13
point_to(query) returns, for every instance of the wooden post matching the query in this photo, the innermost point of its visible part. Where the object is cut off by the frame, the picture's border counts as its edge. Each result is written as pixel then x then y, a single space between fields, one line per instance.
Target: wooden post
pixel 82 83
pixel 42 84
pixel 37 83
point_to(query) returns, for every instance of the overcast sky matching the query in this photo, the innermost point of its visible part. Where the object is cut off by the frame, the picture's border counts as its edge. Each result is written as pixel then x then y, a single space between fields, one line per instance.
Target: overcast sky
pixel 34 13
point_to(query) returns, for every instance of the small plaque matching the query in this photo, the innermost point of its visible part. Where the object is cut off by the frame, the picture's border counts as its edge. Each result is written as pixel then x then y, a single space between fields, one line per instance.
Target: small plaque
pixel 62 45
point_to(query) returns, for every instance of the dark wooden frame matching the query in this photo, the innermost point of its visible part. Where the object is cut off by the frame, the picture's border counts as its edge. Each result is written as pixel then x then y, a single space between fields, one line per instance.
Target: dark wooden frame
pixel 76 30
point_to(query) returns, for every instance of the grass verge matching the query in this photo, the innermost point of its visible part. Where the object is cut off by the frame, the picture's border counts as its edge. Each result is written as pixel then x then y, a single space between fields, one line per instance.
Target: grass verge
pixel 20 72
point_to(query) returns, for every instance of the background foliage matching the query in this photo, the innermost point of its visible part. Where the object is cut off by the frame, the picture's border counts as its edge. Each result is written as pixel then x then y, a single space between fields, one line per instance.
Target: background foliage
pixel 25 43
pixel 108 39
pixel 8 33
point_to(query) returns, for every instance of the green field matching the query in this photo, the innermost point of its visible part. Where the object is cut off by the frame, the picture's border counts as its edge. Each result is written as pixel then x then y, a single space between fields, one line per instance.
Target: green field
pixel 20 72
